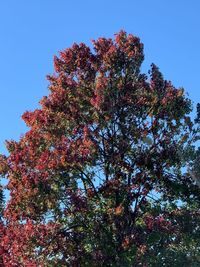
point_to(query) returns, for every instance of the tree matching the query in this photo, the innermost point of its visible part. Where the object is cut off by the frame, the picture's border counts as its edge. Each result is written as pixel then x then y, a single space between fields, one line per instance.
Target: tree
pixel 98 179
pixel 2 159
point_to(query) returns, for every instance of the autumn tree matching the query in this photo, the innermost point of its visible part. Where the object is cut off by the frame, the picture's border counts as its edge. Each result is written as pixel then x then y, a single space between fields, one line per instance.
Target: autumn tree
pixel 102 177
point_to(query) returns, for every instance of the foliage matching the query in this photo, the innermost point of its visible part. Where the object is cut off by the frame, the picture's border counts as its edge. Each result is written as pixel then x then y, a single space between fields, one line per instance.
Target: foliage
pixel 98 179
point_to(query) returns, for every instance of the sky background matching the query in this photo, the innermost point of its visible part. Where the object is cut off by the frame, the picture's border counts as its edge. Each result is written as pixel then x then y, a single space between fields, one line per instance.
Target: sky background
pixel 32 32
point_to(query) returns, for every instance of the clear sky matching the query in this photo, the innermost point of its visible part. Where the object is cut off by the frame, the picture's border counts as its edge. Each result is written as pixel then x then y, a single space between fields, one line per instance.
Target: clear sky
pixel 33 31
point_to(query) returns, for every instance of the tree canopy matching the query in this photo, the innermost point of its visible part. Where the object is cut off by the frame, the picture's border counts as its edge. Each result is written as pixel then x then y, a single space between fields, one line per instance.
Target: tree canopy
pixel 106 173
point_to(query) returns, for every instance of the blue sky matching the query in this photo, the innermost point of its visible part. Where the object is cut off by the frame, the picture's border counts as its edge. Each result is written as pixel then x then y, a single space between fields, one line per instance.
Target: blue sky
pixel 33 31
